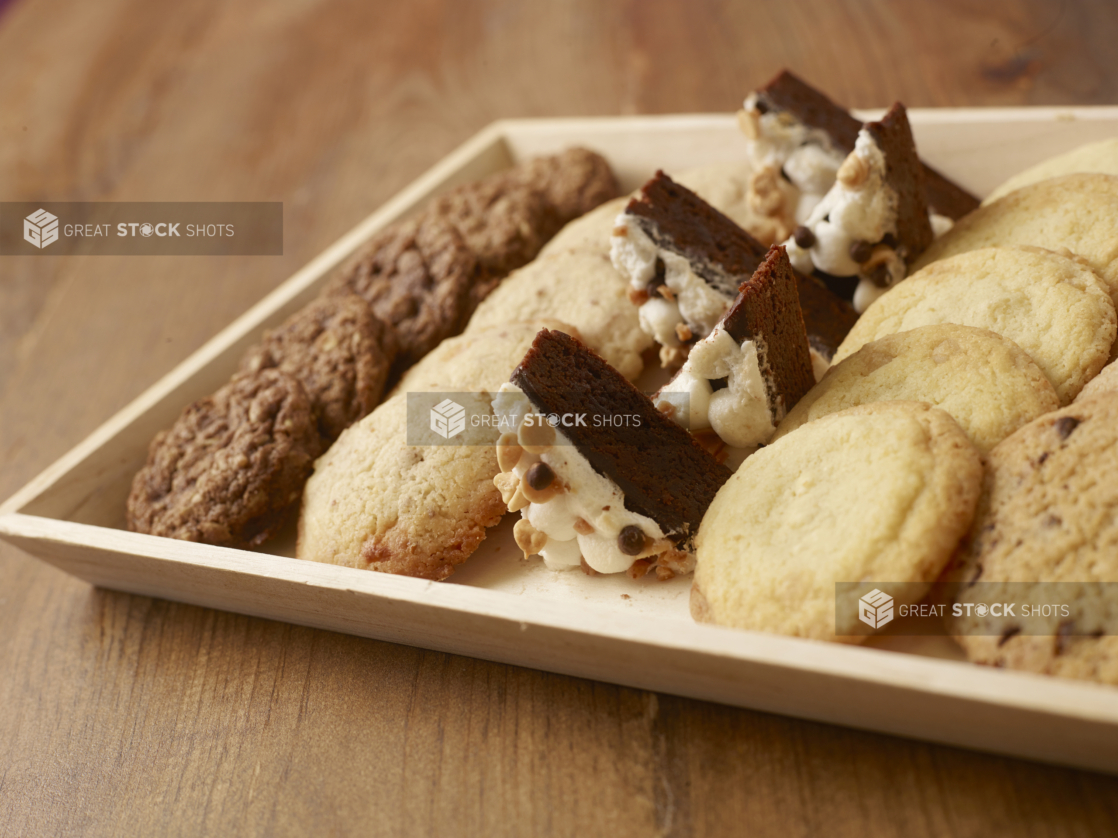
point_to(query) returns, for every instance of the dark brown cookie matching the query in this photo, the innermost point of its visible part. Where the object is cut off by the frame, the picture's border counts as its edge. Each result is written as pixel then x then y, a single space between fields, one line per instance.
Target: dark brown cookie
pixel 341 353
pixel 419 277
pixel 508 216
pixel 232 467
pixel 572 182
pixel 503 220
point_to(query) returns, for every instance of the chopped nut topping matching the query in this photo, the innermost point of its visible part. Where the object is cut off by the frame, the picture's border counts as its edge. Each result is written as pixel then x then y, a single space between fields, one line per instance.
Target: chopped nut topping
pixel 853 171
pixel 765 195
pixel 537 437
pixel 638 297
pixel 518 501
pixel 770 231
pixel 749 123
pixel 639 568
pixel 508 452
pixel 507 485
pixel 674 562
pixel 672 356
pixel 528 538
pixel 710 441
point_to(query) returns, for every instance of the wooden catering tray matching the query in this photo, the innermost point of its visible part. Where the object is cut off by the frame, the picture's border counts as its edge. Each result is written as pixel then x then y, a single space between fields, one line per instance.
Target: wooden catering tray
pixel 501 608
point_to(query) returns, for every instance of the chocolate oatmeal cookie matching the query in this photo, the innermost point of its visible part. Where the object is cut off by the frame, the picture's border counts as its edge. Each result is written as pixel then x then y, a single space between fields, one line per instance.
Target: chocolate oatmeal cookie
pixel 341 353
pixel 507 217
pixel 232 467
pixel 502 219
pixel 573 182
pixel 419 277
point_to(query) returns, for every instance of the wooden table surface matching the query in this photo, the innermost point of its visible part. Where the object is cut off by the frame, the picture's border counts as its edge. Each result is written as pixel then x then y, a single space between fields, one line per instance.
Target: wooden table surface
pixel 122 715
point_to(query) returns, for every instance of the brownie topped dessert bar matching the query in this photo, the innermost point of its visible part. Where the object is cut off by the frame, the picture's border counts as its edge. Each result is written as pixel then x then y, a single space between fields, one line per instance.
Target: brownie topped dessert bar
pixel 602 478
pixel 685 261
pixel 802 130
pixel 741 380
pixel 873 222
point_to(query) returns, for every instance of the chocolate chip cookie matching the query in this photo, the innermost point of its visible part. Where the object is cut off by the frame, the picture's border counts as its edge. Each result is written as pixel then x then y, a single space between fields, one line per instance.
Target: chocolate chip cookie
pixel 340 352
pixel 419 277
pixel 232 467
pixel 377 503
pixel 1048 516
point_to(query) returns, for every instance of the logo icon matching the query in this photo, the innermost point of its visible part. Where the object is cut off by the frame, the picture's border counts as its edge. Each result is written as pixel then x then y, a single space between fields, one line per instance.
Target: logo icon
pixel 40 228
pixel 146 230
pixel 875 609
pixel 448 419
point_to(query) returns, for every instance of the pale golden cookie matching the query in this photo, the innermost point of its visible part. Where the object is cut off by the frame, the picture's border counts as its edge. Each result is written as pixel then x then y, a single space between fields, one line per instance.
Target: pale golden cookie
pixel 1101 157
pixel 1048 514
pixel 375 502
pixel 877 493
pixel 1105 382
pixel 1051 306
pixel 590 233
pixel 478 359
pixel 576 287
pixel 988 384
pixel 1077 212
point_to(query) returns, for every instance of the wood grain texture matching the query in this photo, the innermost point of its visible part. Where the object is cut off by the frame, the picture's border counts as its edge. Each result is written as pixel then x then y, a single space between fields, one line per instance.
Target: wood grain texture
pixel 125 715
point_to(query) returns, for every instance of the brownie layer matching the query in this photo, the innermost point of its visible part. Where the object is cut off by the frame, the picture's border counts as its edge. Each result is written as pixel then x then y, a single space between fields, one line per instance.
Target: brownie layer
pixel 677 219
pixel 768 308
pixel 903 172
pixel 663 472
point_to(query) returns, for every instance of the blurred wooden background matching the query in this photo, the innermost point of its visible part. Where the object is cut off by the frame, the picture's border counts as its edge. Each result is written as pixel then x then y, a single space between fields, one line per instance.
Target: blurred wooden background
pixel 124 715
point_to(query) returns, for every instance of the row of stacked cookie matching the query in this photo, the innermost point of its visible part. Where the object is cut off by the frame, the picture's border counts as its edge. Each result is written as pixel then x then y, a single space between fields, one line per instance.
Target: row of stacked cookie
pixel 1009 316
pixel 233 466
